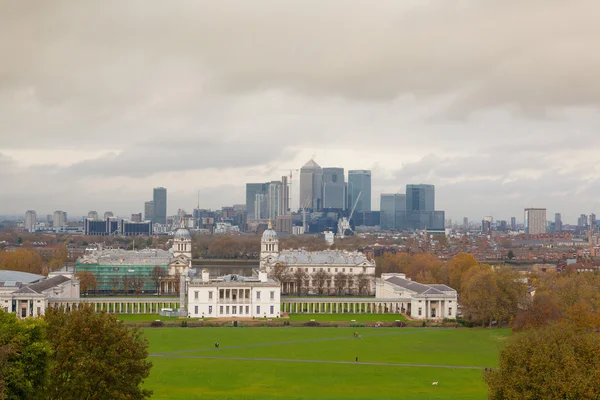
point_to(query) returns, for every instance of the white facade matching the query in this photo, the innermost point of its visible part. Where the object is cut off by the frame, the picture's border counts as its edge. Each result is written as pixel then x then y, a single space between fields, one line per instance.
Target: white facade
pixel 30 220
pixel 535 221
pixel 59 219
pixel 422 301
pixel 234 296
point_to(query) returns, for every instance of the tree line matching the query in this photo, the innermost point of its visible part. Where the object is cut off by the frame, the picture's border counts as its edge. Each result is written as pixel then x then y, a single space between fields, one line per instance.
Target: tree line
pixel 31 261
pixel 71 356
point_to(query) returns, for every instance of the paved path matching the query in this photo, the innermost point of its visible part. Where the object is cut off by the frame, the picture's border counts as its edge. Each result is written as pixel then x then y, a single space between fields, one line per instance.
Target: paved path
pixel 386 364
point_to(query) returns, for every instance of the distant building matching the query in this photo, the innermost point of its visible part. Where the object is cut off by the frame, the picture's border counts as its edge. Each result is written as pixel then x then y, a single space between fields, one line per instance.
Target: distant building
pixel 59 219
pixel 465 223
pixel 513 223
pixel 420 208
pixel 148 210
pixel 159 207
pixel 136 217
pixel 558 222
pixel 274 200
pixel 359 181
pixel 334 189
pixel 256 192
pixel 93 215
pixel 535 221
pixel 392 211
pixel 284 207
pixel 109 214
pixel 30 220
pixel 311 184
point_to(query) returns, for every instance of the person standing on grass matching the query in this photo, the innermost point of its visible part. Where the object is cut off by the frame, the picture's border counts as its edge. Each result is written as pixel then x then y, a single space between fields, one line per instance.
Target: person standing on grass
pixel 356 359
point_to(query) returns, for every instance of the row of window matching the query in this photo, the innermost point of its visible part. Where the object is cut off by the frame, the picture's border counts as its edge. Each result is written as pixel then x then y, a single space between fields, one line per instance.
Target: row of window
pixel 234 310
pixel 433 315
pixel 364 269
pixel 210 295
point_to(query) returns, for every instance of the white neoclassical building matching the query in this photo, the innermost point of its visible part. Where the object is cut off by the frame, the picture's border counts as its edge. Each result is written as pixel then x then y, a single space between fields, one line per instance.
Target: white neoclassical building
pixel 357 270
pixel 422 301
pixel 234 296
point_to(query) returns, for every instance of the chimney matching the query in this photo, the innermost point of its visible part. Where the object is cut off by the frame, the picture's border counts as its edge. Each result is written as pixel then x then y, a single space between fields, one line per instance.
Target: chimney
pixel 205 276
pixel 262 276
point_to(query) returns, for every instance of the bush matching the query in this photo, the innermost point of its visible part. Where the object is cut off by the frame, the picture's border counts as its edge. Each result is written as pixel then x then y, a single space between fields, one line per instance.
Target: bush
pixel 157 324
pixel 184 324
pixel 355 325
pixel 312 323
pixel 464 322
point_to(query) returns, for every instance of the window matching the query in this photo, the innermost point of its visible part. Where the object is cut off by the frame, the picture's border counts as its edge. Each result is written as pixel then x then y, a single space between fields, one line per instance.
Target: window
pixel 196 309
pixel 258 295
pixel 210 295
pixel 196 296
pixel 247 309
pixel 210 309
pixel 226 309
pixel 39 311
pixel 234 309
pixel 272 310
pixel 343 269
pixel 420 310
pixel 328 269
pixel 350 269
pixel 449 311
pixel 272 295
pixel 258 310
pixel 221 310
pixel 314 269
pixel 306 269
pixel 336 270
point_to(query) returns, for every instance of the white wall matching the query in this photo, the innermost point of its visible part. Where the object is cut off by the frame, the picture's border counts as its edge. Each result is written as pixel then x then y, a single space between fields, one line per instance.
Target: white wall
pixel 207 307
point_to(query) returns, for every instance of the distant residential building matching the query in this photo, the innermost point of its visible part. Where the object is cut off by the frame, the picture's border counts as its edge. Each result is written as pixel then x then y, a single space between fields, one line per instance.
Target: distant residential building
pixel 465 223
pixel 59 219
pixel 592 221
pixel 558 222
pixel 513 223
pixel 30 220
pixel 148 210
pixel 108 214
pixel 535 221
pixel 359 181
pixel 334 188
pixel 486 226
pixel 582 221
pixel 136 217
pixel 159 208
pixel 93 215
pixel 311 184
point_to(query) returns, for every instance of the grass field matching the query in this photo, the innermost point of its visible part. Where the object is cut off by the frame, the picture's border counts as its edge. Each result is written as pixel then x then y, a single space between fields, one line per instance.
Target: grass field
pixel 348 317
pixel 144 317
pixel 319 363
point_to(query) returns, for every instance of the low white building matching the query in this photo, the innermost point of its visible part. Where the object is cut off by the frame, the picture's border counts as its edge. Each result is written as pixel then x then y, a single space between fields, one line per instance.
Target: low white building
pixel 435 301
pixel 234 296
pixel 31 299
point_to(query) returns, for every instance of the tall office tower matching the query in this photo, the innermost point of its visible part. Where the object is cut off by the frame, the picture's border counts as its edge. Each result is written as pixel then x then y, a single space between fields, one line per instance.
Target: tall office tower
pixel 59 219
pixel 334 188
pixel 513 223
pixel 159 208
pixel 30 220
pixel 274 202
pixel 486 226
pixel 535 221
pixel 260 206
pixel 136 217
pixel 592 221
pixel 557 222
pixel 420 198
pixel 359 181
pixel 285 196
pixel 93 215
pixel 392 211
pixel 254 191
pixel 311 185
pixel 108 214
pixel 465 222
pixel 582 221
pixel 148 210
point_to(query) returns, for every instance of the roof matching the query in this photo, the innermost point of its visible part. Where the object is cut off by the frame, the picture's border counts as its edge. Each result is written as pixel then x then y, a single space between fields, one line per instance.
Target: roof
pixel 325 257
pixel 182 233
pixel 127 257
pixel 39 287
pixel 311 164
pixel 17 276
pixel 419 288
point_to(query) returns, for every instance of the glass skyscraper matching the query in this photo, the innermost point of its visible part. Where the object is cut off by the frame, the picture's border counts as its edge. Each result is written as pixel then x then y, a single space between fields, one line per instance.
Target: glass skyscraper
pixel 359 181
pixel 159 206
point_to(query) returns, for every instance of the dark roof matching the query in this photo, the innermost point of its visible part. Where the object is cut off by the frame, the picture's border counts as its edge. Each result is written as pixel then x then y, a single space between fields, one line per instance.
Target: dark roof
pixel 413 286
pixel 43 285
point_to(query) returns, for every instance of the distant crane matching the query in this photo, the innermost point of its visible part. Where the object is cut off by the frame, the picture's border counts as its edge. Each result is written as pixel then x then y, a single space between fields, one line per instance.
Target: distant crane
pixel 344 223
pixel 305 206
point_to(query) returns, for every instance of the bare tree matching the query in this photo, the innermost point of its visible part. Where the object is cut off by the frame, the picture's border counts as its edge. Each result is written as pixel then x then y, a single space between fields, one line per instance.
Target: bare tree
pixel 362 283
pixel 320 279
pixel 115 283
pixel 156 276
pixel 137 282
pixel 177 282
pixel 341 280
pixel 280 273
pixel 126 281
pixel 350 282
pixel 300 277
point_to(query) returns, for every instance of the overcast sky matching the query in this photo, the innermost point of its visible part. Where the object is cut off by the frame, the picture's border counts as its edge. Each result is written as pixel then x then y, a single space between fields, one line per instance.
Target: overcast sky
pixel 495 102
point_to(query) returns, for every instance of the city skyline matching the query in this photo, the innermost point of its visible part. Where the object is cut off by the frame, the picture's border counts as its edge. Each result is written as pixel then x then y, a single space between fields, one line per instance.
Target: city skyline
pixel 510 121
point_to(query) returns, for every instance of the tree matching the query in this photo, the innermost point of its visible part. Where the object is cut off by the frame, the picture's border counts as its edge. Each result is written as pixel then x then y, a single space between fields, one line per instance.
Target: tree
pixel 479 295
pixel 350 282
pixel 458 266
pixel 362 281
pixel 59 258
pixel 559 361
pixel 512 294
pixel 177 282
pixel 156 276
pixel 341 280
pixel 319 279
pixel 87 281
pixel 300 277
pixel 24 357
pixel 138 282
pixel 542 311
pixel 126 282
pixel 510 255
pixel 95 357
pixel 279 273
pixel 115 283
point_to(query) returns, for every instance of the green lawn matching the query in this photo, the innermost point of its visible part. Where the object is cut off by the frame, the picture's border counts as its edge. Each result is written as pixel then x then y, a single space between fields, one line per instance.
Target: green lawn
pixel 318 363
pixel 348 317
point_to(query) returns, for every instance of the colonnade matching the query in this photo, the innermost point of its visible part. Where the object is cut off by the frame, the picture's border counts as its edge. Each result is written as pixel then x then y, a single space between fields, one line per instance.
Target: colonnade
pixel 117 306
pixel 339 306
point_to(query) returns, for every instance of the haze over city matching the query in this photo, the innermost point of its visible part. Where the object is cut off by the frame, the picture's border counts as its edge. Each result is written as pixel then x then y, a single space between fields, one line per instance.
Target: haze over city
pixel 102 102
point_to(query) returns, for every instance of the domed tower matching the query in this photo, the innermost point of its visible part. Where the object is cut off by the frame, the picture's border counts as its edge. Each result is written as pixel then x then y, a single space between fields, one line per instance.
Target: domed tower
pixel 182 243
pixel 269 246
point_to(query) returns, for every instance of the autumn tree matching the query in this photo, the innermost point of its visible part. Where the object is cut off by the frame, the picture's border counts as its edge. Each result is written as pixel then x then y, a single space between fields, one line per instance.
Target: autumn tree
pixel 458 266
pixel 341 281
pixel 95 357
pixel 559 361
pixel 319 279
pixel 542 311
pixel 22 260
pixel 87 281
pixel 59 257
pixel 156 276
pixel 479 295
pixel 24 357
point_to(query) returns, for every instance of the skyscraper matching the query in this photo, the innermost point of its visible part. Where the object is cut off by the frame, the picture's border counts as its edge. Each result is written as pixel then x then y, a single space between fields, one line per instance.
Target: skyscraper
pixel 420 208
pixel 93 215
pixel 159 208
pixel 392 211
pixel 30 220
pixel 108 214
pixel 256 191
pixel 334 188
pixel 148 210
pixel 359 181
pixel 311 185
pixel 557 222
pixel 513 223
pixel 59 219
pixel 274 200
pixel 535 221
pixel 285 196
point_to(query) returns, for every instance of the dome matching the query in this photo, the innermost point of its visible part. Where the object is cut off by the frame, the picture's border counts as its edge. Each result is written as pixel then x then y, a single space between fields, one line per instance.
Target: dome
pixel 269 234
pixel 182 233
